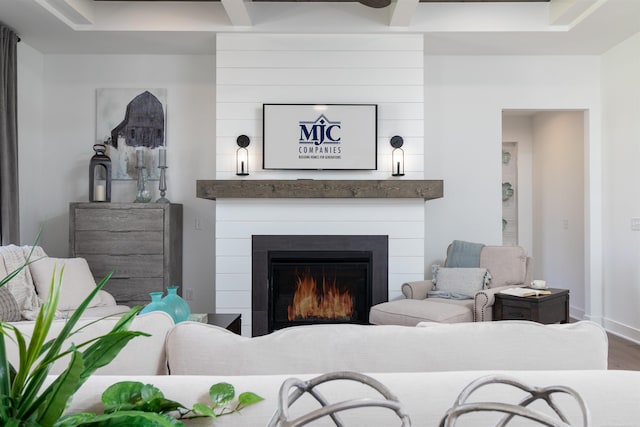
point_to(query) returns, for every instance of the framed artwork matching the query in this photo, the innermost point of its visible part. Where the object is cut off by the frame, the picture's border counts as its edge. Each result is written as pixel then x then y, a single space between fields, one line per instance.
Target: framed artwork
pixel 320 136
pixel 127 119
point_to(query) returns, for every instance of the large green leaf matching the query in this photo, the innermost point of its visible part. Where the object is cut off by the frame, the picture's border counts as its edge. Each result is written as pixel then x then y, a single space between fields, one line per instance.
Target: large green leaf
pixel 248 398
pixel 123 395
pixel 60 391
pixel 135 396
pixel 222 393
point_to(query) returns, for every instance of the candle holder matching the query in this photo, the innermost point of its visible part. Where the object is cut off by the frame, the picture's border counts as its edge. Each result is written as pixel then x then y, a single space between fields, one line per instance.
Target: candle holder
pixel 142 195
pixel 162 185
pixel 242 156
pixel 397 156
pixel 162 165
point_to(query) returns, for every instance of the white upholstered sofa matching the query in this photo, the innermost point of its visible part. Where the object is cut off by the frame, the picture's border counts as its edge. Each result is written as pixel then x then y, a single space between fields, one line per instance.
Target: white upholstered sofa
pixel 426 367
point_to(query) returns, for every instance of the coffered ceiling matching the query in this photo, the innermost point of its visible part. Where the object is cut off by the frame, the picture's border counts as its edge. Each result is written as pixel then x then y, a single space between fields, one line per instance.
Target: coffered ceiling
pixel 450 27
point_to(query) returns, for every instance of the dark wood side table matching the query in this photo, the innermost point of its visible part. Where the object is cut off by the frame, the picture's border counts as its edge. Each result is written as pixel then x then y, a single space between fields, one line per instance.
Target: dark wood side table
pixel 545 309
pixel 229 321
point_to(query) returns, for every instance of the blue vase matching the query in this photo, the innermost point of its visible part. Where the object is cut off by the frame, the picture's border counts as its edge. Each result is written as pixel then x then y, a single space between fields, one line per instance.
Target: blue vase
pixel 177 305
pixel 157 304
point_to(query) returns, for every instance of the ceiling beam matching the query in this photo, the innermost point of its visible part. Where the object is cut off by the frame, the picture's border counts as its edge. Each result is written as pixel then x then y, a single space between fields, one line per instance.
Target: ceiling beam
pixel 567 12
pixel 402 12
pixel 237 12
pixel 71 12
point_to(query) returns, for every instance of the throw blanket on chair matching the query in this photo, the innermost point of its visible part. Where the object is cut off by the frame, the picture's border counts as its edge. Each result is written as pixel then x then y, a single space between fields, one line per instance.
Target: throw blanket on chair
pixel 21 286
pixel 464 254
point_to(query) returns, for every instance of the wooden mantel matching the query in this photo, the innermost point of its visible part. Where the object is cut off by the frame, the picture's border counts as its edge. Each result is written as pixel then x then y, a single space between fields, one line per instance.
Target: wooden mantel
pixel 313 189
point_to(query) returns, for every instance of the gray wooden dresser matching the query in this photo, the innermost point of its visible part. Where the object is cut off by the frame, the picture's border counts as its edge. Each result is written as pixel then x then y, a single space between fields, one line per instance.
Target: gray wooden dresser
pixel 142 242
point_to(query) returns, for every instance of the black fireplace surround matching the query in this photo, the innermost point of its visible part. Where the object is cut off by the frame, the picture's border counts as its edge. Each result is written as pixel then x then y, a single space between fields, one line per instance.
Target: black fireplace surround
pixel 279 261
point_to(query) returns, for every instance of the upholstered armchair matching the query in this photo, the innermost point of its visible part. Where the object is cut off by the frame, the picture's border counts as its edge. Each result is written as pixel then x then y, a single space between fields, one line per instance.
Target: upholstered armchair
pixel 509 266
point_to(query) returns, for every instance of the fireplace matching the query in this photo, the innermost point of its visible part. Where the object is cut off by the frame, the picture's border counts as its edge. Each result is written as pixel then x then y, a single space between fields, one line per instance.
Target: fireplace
pixel 300 280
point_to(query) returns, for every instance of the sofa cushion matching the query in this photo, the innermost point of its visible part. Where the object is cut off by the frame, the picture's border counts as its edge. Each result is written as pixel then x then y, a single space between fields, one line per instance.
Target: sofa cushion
pixel 507 264
pixel 77 280
pixel 199 349
pixel 9 310
pixel 462 282
pixel 410 312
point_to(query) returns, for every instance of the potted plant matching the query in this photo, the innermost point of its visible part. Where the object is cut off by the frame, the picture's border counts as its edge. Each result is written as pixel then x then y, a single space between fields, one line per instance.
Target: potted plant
pixel 26 399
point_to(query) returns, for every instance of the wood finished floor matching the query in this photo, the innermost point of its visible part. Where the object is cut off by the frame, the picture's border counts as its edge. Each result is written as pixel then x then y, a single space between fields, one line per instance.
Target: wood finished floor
pixel 623 354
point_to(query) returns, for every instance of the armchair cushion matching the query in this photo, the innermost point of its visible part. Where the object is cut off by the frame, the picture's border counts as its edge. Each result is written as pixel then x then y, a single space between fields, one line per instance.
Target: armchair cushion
pixel 77 280
pixel 410 312
pixel 507 264
pixel 459 283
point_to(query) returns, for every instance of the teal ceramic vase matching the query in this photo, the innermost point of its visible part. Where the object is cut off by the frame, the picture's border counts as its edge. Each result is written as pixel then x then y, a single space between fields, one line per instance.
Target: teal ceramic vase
pixel 157 304
pixel 176 304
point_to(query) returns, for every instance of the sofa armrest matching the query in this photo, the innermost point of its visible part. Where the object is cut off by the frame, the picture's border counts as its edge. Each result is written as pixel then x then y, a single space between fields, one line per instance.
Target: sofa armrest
pixel 483 302
pixel 417 289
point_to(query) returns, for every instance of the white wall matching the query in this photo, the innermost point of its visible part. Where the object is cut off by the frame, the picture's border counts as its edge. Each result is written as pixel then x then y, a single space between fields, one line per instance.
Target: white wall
pixel 621 136
pixel 253 69
pixel 464 99
pixel 67 126
pixel 558 203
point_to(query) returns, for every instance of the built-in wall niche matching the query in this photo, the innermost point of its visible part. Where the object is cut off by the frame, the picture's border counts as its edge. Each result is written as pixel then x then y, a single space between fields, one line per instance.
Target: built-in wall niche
pixel 301 280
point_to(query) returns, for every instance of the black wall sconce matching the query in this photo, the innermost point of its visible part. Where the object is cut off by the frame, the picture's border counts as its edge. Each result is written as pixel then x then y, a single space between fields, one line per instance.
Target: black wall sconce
pixel 242 155
pixel 100 175
pixel 397 156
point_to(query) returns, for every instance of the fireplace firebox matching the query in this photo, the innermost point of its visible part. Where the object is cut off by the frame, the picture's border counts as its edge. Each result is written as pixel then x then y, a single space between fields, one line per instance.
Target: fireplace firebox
pixel 300 280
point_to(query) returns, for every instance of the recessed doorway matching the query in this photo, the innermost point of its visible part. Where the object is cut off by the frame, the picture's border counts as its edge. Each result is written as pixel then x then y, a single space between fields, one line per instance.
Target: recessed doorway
pixel 548 189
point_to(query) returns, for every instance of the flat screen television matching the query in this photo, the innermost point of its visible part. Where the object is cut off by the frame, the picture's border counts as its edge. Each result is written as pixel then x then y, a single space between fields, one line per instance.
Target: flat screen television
pixel 320 136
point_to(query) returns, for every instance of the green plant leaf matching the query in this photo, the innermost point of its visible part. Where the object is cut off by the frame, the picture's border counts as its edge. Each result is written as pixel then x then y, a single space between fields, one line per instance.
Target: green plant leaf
pixel 123 395
pixel 150 392
pixel 120 419
pixel 203 410
pixel 249 398
pixel 135 396
pixel 60 391
pixel 221 393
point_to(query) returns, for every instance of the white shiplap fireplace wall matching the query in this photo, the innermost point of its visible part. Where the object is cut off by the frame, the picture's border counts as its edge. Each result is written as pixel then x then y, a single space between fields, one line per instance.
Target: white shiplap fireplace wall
pixel 253 69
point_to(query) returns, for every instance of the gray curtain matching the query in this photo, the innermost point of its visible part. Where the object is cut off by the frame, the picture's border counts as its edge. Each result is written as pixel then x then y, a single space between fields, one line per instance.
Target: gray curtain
pixel 9 214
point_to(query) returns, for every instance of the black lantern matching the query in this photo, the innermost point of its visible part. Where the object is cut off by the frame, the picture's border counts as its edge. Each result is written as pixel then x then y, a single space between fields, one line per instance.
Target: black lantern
pixel 397 156
pixel 100 175
pixel 242 156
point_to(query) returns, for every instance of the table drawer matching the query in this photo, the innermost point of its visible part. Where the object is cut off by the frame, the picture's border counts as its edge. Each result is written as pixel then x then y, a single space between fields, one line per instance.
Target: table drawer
pixel 510 312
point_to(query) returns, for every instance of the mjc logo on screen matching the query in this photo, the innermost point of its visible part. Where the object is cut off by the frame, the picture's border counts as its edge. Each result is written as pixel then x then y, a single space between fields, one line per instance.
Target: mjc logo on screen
pixel 320 131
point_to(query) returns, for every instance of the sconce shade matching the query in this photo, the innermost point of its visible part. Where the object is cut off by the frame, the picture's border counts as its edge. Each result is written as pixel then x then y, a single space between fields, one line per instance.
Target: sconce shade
pixel 397 156
pixel 242 155
pixel 100 175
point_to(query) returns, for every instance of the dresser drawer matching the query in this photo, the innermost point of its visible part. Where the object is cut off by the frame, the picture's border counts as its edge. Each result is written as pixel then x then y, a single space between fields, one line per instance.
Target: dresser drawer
pixel 119 219
pixel 134 291
pixel 119 243
pixel 126 266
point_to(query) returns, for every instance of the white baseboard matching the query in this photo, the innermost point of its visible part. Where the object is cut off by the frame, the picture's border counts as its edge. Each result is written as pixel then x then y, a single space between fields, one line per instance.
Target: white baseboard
pixel 623 331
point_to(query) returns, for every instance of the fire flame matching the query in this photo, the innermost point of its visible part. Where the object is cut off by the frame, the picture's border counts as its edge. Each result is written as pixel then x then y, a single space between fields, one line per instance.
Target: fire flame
pixel 331 304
